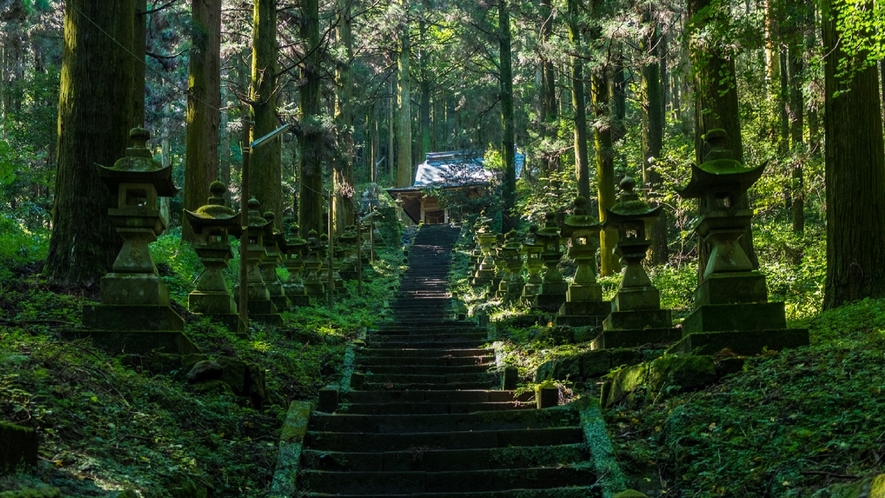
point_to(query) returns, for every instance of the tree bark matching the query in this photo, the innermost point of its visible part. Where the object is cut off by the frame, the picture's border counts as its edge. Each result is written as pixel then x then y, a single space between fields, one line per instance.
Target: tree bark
pixel 549 105
pixel 203 104
pixel 404 175
pixel 94 118
pixel 582 166
pixel 310 205
pixel 265 177
pixel 855 172
pixel 508 133
pixel 797 124
pixel 652 140
pixel 343 174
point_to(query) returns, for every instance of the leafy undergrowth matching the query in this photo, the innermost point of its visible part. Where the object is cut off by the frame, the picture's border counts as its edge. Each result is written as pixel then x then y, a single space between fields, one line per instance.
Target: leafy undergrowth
pixel 791 423
pixel 109 423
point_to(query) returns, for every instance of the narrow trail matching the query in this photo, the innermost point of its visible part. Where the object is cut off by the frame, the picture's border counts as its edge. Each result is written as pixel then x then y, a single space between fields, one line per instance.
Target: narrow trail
pixel 429 420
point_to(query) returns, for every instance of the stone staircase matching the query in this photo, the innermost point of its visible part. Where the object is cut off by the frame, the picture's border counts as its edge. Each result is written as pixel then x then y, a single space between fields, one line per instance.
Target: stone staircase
pixel 428 420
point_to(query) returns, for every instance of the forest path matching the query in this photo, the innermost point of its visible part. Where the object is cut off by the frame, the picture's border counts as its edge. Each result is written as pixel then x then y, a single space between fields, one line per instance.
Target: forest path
pixel 428 419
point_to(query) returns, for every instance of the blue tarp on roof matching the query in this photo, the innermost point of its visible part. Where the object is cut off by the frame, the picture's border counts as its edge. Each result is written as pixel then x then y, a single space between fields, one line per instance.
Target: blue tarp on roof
pixel 456 168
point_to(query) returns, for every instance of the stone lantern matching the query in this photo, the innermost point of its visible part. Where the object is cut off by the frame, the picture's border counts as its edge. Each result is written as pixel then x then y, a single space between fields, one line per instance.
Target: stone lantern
pixel 731 308
pixel 296 248
pixel 510 260
pixel 636 316
pixel 260 305
pixel 314 284
pixel 274 245
pixel 349 244
pixel 134 315
pixel 583 305
pixel 486 239
pixel 532 250
pixel 213 224
pixel 553 287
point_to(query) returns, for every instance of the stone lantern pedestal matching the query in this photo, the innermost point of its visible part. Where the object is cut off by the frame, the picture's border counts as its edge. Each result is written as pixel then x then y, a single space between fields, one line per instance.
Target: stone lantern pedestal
pixel 636 316
pixel 731 301
pixel 349 244
pixel 295 250
pixel 212 224
pixel 261 308
pixel 583 305
pixel 510 261
pixel 314 285
pixel 533 264
pixel 554 288
pixel 134 315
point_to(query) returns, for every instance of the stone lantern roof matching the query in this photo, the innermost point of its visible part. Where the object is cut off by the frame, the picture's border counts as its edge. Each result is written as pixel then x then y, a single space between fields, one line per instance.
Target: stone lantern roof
pixel 139 166
pixel 630 206
pixel 215 213
pixel 581 222
pixel 719 172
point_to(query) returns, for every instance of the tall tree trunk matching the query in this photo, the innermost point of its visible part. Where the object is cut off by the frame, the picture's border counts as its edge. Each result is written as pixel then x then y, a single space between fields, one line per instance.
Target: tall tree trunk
pixel 391 132
pixel 716 105
pixel 343 177
pixel 617 94
pixel 855 171
pixel 508 133
pixel 203 104
pixel 425 86
pixel 94 118
pixel 265 176
pixel 582 167
pixel 310 205
pixel 652 140
pixel 549 106
pixel 139 46
pixel 404 164
pixel 797 124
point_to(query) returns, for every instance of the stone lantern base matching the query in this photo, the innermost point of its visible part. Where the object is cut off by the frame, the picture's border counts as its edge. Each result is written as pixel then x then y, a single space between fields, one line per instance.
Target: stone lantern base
pixel 135 329
pixel 633 337
pixel 550 296
pixel 482 277
pixel 740 342
pixel 219 307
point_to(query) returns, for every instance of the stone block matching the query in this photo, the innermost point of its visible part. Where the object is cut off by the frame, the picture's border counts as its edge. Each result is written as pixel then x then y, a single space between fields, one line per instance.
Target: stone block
pixel 133 289
pixel 731 288
pixel 643 298
pixel 595 364
pixel 546 395
pixel 744 342
pixel 599 309
pixel 730 317
pixel 622 383
pixel 567 367
pixel 625 356
pixel 18 448
pixel 262 307
pixel 638 320
pixel 679 372
pixel 131 318
pixel 548 302
pixel 510 379
pixel 211 302
pixel 591 293
pixel 609 339
pixel 230 321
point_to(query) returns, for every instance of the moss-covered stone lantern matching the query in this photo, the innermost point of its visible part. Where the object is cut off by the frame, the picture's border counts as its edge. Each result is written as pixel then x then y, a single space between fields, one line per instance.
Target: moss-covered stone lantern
pixel 553 287
pixel 296 249
pixel 213 223
pixel 731 308
pixel 349 245
pixel 314 284
pixel 274 246
pixel 636 316
pixel 134 314
pixel 583 305
pixel 260 305
pixel 486 239
pixel 510 261
pixel 532 250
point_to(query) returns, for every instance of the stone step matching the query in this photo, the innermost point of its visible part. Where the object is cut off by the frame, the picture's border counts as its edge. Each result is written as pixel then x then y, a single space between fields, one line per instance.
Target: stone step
pixel 478 421
pixel 407 362
pixel 591 491
pixel 429 407
pixel 428 386
pixel 446 481
pixel 475 369
pixel 419 336
pixel 403 343
pixel 483 378
pixel 434 459
pixel 437 396
pixel 426 352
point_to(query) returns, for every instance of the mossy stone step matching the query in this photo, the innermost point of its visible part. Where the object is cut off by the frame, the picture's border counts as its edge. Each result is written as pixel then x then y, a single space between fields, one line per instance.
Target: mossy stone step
pixel 413 369
pixel 486 378
pixel 437 396
pixel 403 343
pixel 591 491
pixel 427 386
pixel 434 459
pixel 362 441
pixel 428 407
pixel 446 481
pixel 407 362
pixel 426 352
pixel 477 421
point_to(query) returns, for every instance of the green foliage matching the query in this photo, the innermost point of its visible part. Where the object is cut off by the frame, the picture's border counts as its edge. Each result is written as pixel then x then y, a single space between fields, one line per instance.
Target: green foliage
pixel 19 245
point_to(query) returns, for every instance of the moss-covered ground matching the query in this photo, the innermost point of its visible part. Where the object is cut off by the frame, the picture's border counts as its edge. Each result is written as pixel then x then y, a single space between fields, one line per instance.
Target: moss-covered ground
pixel 114 425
